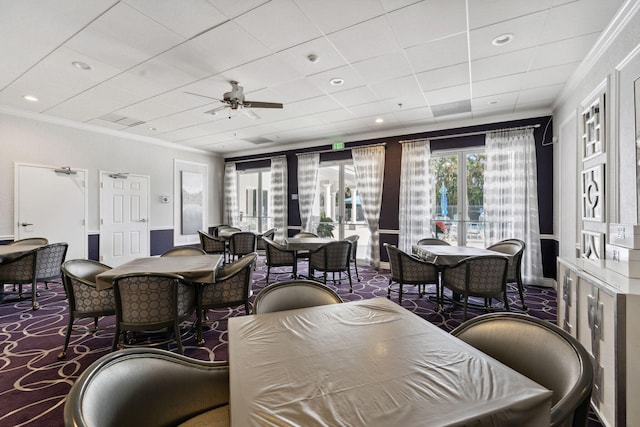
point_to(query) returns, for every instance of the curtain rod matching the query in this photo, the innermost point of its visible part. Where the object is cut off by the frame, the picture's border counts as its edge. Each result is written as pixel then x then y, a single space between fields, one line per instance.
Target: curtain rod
pixel 257 159
pixel 458 135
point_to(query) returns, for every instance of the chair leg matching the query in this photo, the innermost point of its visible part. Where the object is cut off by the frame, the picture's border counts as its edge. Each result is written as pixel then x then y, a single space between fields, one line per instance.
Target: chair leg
pixel 176 332
pixel 116 337
pixel 67 337
pixel 389 289
pixel 521 291
pixel 506 300
pixel 400 293
pixel 466 301
pixel 268 272
pixel 199 317
pixel 355 265
pixel 350 281
pixel 34 303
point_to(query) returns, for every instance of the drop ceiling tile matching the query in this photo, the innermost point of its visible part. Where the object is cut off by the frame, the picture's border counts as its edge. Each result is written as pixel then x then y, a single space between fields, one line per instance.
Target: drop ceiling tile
pixel 489 12
pixel 383 68
pixel 501 102
pixel 526 31
pixel 313 105
pixel 563 52
pixel 327 57
pixel 402 86
pixel 428 20
pixel 500 85
pixel 422 114
pixel 334 15
pixel 548 76
pixel 454 75
pixel 278 24
pixel 438 53
pixel 502 65
pixel 261 73
pixel 450 94
pixel 296 90
pixel 376 108
pixel 578 18
pixel 186 18
pixel 375 38
pixel 123 37
pixel 540 94
pixel 337 115
pixel 355 96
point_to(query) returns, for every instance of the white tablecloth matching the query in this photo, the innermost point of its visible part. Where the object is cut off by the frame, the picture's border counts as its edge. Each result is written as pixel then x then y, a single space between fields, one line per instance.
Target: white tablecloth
pixel 369 363
pixel 449 255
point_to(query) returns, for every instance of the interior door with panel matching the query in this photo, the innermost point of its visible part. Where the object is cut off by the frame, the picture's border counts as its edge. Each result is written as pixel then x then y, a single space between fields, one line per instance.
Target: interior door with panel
pixel 51 202
pixel 124 217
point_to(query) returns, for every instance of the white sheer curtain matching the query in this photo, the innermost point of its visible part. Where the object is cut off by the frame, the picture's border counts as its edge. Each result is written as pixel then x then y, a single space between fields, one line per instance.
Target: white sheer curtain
pixel 230 205
pixel 415 194
pixel 278 196
pixel 368 163
pixel 511 195
pixel 308 165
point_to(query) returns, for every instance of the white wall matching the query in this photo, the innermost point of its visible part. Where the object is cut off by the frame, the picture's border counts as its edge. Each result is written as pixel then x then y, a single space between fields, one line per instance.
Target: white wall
pixel 598 70
pixel 26 140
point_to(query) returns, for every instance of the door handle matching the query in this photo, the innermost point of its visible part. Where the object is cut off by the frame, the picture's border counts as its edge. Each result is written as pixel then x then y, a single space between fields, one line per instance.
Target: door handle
pixel 25 224
pixel 143 220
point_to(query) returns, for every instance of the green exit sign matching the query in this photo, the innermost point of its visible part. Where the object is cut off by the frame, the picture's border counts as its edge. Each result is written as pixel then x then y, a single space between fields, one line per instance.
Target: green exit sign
pixel 338 146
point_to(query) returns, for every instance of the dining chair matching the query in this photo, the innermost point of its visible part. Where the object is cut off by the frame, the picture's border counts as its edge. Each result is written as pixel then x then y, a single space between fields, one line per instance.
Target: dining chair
pixel 407 269
pixel 477 276
pixel 433 241
pixel 149 387
pixel 211 244
pixel 232 287
pixel 292 294
pixel 268 234
pixel 277 255
pixel 305 234
pixel 184 251
pixel 19 270
pixel 542 352
pixel 354 252
pixel 85 301
pixel 217 229
pixel 515 248
pixel 49 259
pixel 333 257
pixel 30 241
pixel 241 243
pixel 151 302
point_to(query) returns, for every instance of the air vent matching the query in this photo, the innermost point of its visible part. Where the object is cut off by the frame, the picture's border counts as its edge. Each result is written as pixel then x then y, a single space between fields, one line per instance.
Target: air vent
pixel 121 120
pixel 451 108
pixel 258 140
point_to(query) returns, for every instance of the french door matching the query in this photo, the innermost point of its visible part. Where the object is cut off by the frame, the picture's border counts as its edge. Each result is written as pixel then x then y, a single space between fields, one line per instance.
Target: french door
pixel 253 199
pixel 458 196
pixel 337 210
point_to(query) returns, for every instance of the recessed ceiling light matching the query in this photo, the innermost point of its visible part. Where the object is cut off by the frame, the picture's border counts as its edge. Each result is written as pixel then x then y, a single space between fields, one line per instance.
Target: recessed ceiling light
pixel 336 81
pixel 313 58
pixel 81 65
pixel 502 39
pixel 493 102
pixel 379 120
pixel 30 98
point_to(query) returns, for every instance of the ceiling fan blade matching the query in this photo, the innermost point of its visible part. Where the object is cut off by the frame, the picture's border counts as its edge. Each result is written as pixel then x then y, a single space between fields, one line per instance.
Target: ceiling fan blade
pixel 256 104
pixel 215 110
pixel 203 96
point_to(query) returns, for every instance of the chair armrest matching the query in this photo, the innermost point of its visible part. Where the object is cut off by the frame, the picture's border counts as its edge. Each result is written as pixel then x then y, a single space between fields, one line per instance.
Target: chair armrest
pixel 136 387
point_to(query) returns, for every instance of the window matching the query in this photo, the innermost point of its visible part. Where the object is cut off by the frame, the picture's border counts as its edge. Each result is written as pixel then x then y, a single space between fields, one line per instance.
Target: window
pixel 253 199
pixel 458 196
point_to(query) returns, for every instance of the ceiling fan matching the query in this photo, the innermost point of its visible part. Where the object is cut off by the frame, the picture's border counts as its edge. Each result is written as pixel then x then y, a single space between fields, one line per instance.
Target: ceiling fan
pixel 235 100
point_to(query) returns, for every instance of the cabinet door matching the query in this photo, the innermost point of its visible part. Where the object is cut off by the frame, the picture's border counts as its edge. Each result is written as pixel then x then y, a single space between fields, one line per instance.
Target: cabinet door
pixel 567 303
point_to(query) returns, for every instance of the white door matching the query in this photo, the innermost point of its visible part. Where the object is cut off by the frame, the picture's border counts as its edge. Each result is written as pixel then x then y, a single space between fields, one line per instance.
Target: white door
pixel 124 217
pixel 53 205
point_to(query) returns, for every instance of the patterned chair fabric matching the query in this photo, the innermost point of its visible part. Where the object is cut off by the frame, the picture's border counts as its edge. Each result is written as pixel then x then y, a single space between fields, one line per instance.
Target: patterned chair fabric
pixel 268 234
pixel 242 243
pixel 19 270
pixel 277 255
pixel 293 294
pixel 78 278
pixel 232 287
pixel 211 244
pixel 152 301
pixel 354 252
pixel 332 257
pixel 515 248
pixel 407 269
pixel 481 276
pixel 433 241
pixel 184 251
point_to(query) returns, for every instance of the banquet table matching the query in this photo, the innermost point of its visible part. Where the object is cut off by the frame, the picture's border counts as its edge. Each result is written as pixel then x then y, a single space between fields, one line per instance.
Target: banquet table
pixel 369 363
pixel 7 251
pixel 449 255
pixel 196 268
pixel 306 243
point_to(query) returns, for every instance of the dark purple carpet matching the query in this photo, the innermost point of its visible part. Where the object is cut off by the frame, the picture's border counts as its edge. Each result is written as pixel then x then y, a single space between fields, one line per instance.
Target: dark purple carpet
pixel 34 383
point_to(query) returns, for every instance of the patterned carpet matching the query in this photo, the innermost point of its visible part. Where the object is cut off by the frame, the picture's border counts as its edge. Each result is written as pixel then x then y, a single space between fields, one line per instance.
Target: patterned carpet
pixel 34 383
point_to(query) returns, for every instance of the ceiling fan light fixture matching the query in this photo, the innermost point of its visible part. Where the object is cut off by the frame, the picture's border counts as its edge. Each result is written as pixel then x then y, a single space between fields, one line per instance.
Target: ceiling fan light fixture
pixel 336 81
pixel 502 39
pixel 82 66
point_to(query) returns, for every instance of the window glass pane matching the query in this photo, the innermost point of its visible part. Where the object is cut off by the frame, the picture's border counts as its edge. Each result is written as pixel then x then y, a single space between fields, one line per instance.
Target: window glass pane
pixel 475 166
pixel 253 199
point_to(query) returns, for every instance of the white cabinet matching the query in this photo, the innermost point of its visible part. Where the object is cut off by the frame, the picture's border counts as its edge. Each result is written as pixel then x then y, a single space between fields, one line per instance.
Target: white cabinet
pixel 602 310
